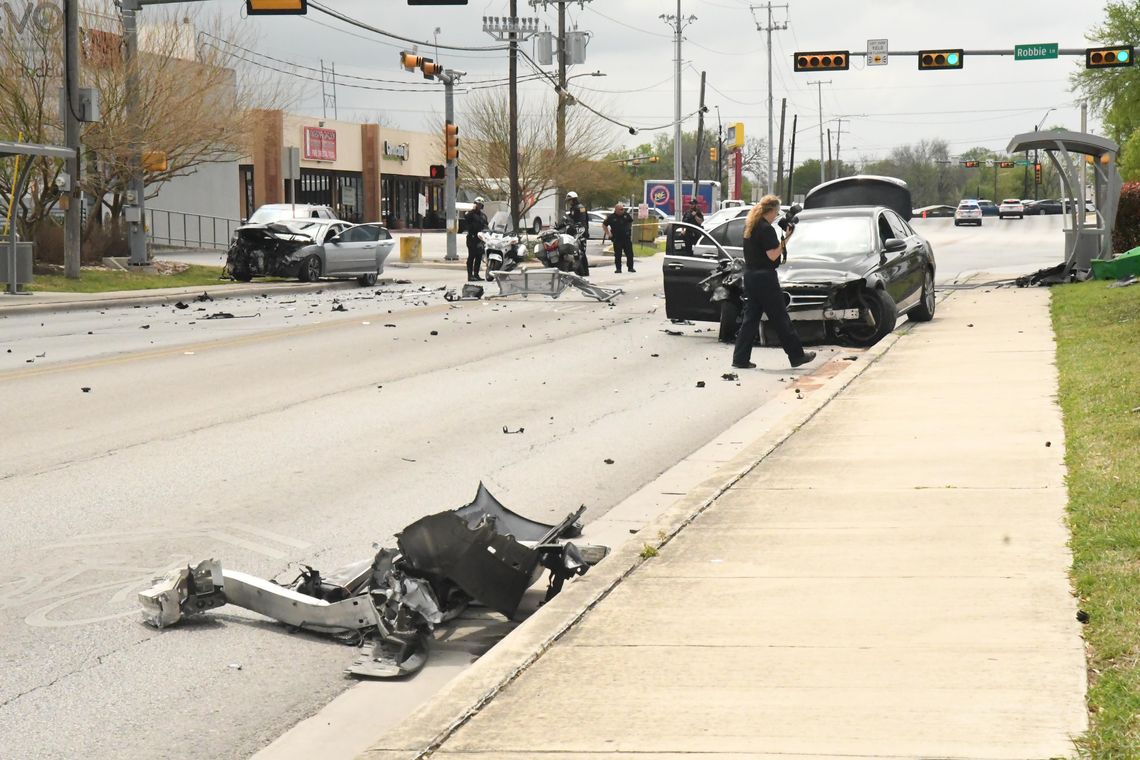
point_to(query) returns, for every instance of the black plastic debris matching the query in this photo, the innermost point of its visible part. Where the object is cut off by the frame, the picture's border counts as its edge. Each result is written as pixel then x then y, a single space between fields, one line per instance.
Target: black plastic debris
pixel 508 431
pixel 144 327
pixel 850 358
pixel 181 305
pixel 85 389
pixel 730 376
pixel 435 332
pixel 339 307
pixel 1082 616
pixel 403 282
pixel 680 321
pixel 655 356
pixel 389 325
pixel 219 315
pixel 204 297
pixel 672 332
pixel 608 461
pixel 700 383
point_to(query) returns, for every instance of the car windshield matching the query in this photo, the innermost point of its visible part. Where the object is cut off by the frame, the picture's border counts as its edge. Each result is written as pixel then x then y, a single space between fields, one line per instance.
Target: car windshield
pixel 964 204
pixel 267 214
pixel 835 235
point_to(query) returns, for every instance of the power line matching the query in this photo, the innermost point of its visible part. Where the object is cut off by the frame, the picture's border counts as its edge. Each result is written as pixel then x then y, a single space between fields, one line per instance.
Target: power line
pixel 376 30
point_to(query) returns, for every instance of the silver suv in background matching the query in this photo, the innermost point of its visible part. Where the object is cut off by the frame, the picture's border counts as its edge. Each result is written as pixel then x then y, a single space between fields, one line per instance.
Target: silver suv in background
pixel 968 212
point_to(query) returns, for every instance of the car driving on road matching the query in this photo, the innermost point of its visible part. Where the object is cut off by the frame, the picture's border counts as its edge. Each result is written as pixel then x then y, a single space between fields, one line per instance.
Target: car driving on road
pixel 854 266
pixel 968 212
pixel 1011 207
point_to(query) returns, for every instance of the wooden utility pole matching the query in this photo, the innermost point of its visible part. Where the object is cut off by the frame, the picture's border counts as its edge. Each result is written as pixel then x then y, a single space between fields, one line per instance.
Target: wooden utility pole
pixel 700 139
pixel 792 161
pixel 780 163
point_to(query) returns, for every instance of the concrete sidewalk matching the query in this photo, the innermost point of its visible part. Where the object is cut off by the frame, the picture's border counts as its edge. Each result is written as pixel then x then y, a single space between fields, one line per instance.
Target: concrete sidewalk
pixel 886 575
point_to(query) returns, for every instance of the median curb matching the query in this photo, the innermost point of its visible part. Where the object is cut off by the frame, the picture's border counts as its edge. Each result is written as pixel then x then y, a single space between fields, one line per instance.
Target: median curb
pixel 433 724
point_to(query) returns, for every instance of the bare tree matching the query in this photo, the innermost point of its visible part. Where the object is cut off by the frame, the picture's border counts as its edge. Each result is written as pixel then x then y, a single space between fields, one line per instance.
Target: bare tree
pixel 484 159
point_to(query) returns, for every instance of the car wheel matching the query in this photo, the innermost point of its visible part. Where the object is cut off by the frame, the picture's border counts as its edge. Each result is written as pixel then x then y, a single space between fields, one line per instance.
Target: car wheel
pixel 310 269
pixel 729 320
pixel 924 311
pixel 243 275
pixel 536 225
pixel 883 315
pixel 957 223
pixel 367 280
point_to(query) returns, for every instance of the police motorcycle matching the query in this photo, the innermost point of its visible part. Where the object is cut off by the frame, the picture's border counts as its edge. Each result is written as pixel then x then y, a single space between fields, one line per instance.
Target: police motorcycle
pixel 503 248
pixel 563 247
pixel 725 286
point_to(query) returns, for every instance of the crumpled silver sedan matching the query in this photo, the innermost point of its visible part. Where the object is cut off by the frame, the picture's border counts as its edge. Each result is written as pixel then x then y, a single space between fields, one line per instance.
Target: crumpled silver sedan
pixel 358 251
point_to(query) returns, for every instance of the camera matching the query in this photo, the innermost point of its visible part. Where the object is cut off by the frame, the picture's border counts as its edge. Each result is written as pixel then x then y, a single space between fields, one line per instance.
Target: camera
pixel 790 218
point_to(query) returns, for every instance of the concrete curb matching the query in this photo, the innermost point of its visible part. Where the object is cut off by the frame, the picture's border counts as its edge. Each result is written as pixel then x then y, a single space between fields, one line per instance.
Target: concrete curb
pixel 431 725
pixel 128 298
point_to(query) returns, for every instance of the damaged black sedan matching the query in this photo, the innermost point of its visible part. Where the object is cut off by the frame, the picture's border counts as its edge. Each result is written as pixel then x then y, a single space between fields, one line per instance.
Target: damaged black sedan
pixel 854 266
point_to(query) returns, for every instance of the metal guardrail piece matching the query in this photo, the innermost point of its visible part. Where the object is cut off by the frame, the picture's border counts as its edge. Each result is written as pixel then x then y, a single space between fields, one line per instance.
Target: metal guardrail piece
pixel 177 228
pixel 549 282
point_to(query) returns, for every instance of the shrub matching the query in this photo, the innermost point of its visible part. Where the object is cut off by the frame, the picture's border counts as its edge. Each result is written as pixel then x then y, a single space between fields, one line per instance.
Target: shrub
pixel 1126 235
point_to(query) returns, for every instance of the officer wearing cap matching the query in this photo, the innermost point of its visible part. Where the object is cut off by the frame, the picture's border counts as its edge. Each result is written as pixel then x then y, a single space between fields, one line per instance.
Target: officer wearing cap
pixel 476 222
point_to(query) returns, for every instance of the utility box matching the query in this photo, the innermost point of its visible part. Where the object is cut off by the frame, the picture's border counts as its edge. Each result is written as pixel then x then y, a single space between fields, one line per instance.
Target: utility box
pixel 411 252
pixel 24 253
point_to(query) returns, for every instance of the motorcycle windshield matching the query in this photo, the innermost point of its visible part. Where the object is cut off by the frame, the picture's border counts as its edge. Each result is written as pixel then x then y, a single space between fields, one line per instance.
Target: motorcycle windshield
pixel 501 222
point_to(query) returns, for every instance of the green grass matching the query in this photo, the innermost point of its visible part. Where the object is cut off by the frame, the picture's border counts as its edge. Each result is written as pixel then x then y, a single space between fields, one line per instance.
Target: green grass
pixel 107 280
pixel 642 250
pixel 1098 356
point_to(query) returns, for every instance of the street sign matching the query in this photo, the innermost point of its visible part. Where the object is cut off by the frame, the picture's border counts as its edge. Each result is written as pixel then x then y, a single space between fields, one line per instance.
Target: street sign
pixel 876 52
pixel 1039 52
pixel 290 163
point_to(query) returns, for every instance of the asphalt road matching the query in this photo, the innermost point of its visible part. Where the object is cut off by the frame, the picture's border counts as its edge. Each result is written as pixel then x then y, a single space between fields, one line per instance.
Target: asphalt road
pixel 304 435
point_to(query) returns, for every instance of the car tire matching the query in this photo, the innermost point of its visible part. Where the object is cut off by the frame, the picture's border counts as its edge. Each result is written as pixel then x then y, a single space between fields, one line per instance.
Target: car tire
pixel 883 311
pixel 243 275
pixel 924 311
pixel 310 269
pixel 957 223
pixel 536 225
pixel 367 280
pixel 729 320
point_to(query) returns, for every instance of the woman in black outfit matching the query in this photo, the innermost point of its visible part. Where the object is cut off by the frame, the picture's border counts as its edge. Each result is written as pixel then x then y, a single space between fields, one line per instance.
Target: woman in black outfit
pixel 762 252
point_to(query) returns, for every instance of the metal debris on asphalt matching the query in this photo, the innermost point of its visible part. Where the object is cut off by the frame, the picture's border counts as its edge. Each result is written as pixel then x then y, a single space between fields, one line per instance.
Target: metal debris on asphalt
pixel 608 461
pixel 481 553
pixel 700 383
pixel 508 431
pixel 672 332
pixel 85 389
pixel 339 307
pixel 204 297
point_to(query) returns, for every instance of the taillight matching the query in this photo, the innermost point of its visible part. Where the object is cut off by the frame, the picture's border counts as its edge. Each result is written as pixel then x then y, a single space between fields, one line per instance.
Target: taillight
pixel 552 245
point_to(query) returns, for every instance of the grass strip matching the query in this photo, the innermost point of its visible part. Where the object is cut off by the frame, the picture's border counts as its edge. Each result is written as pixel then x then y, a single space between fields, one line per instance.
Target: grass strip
pixel 107 280
pixel 1098 358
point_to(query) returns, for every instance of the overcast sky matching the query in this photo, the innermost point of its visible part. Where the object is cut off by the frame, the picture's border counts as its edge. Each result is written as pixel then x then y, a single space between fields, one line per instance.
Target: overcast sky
pixel 985 103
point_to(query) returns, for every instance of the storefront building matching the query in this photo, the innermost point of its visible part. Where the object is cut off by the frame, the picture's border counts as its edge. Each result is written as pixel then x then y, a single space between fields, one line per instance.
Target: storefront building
pixel 365 172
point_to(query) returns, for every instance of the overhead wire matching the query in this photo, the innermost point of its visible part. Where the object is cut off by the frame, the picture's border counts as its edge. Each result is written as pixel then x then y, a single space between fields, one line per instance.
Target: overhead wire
pixel 376 30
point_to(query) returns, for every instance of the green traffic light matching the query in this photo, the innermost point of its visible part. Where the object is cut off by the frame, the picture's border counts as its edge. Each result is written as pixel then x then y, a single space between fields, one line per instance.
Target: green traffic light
pixel 952 59
pixel 1122 56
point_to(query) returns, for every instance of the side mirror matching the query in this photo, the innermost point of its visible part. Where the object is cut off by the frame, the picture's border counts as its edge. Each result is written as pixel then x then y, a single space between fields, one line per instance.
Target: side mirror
pixel 894 245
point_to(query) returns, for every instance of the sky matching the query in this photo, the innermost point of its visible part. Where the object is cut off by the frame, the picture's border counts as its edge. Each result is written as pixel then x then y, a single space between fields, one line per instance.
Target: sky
pixel 984 104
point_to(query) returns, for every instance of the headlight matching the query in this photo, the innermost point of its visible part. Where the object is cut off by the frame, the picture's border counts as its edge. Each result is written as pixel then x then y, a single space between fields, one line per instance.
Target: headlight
pixel 738 265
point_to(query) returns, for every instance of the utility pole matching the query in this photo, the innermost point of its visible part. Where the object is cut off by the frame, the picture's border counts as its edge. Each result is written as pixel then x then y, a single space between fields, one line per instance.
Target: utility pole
pixel 830 166
pixel 449 80
pixel 838 136
pixel 771 27
pixel 511 30
pixel 73 217
pixel 700 137
pixel 792 162
pixel 328 88
pixel 780 163
pixel 820 87
pixel 678 23
pixel 135 211
pixel 719 148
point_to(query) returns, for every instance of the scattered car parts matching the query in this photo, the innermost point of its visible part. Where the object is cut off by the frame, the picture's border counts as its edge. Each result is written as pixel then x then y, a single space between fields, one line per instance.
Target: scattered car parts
pixel 549 282
pixel 480 553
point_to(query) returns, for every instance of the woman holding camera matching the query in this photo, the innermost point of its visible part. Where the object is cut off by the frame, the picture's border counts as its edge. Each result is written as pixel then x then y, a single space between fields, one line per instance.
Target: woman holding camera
pixel 762 252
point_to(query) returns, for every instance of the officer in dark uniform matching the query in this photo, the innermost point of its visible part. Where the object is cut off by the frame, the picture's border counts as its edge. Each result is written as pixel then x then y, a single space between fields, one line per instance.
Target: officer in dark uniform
pixel 619 226
pixel 476 222
pixel 577 215
pixel 762 253
pixel 695 217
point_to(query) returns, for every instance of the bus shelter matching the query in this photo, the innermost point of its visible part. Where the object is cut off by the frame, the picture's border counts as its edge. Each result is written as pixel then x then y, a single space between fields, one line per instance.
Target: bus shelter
pixel 1088 235
pixel 19 181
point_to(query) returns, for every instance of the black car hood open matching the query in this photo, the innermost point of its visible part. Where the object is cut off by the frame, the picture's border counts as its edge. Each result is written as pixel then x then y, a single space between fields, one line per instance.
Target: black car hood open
pixel 861 190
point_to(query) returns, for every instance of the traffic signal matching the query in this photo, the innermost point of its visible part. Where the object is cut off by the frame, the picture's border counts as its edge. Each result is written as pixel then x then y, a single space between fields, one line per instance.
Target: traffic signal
pixel 410 61
pixel 437 171
pixel 829 60
pixel 1037 173
pixel 430 68
pixel 1105 57
pixel 653 159
pixel 276 7
pixel 712 154
pixel 929 60
pixel 451 141
pixel 1006 164
pixel 969 164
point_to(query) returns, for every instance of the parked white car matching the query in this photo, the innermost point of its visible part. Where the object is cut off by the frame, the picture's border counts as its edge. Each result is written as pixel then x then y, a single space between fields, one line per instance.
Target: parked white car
pixel 1011 207
pixel 276 212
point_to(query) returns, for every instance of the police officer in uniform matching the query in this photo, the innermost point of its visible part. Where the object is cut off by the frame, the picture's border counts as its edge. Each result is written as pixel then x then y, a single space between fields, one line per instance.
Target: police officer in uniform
pixel 577 215
pixel 619 226
pixel 476 222
pixel 762 252
pixel 695 217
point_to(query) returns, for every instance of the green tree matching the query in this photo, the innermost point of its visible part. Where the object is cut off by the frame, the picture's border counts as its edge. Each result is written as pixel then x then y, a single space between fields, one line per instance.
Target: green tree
pixel 1114 93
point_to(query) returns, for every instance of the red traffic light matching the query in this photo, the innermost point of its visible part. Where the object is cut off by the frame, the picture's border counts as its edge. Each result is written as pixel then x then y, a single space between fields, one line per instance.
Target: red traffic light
pixel 1006 164
pixel 437 171
pixel 969 164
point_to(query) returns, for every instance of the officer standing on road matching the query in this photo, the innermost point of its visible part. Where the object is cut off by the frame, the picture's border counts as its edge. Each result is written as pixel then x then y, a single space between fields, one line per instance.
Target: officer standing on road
pixel 476 222
pixel 695 217
pixel 762 252
pixel 577 215
pixel 619 226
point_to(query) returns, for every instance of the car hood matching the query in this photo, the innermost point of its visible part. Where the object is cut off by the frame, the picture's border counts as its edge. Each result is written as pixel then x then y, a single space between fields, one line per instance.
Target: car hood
pixel 273 232
pixel 801 270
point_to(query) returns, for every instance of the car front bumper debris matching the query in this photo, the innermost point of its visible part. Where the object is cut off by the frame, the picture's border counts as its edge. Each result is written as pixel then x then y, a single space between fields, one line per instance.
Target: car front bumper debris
pixel 481 552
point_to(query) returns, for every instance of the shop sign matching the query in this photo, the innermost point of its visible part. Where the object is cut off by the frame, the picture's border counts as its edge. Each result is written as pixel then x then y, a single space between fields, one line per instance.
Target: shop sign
pixel 396 150
pixel 320 144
